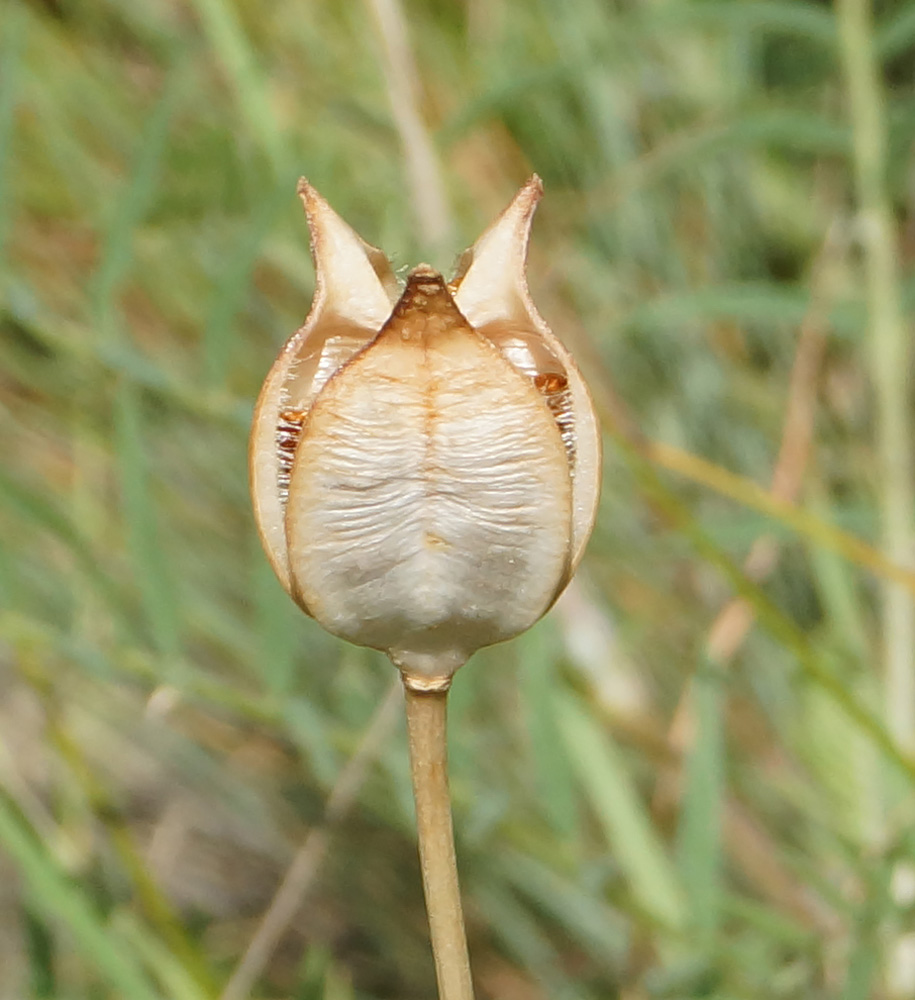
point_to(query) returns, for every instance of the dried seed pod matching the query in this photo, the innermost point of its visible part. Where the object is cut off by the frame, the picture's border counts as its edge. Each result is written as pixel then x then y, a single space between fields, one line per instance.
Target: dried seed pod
pixel 425 467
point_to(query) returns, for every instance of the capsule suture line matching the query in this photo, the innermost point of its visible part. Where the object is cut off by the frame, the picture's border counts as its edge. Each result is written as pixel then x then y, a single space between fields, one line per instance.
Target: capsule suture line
pixel 288 431
pixel 558 397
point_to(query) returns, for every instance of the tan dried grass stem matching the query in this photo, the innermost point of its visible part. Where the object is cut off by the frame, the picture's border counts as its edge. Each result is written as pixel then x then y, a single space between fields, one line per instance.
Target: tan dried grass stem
pixel 429 200
pixel 426 718
pixel 891 354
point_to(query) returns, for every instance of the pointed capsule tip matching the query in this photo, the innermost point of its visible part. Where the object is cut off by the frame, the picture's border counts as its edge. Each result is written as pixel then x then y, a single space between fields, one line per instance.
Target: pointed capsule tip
pixel 311 200
pixel 424 281
pixel 527 198
pixel 423 271
pixel 427 293
pixel 305 191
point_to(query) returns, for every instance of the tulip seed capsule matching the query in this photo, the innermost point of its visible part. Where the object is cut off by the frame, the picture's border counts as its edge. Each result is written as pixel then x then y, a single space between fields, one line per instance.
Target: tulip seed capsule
pixel 425 469
pixel 424 464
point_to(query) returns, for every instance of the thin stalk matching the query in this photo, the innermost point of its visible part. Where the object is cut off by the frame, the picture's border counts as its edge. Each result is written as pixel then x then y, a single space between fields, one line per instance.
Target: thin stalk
pixel 426 185
pixel 891 353
pixel 426 715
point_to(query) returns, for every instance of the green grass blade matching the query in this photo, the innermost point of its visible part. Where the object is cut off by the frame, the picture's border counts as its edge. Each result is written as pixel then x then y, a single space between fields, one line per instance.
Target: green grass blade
pixel 151 570
pixel 277 629
pixel 36 509
pixel 591 923
pixel 40 946
pixel 58 899
pixel 605 780
pixel 699 833
pixel 240 64
pixel 521 936
pixel 897 34
pixel 538 651
pixel 756 303
pixel 12 45
pixel 134 202
pixel 176 981
pixel 799 19
pixel 865 968
pixel 234 285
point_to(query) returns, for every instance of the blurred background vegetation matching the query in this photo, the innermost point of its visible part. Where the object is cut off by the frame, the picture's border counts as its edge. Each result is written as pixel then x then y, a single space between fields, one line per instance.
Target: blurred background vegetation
pixel 659 791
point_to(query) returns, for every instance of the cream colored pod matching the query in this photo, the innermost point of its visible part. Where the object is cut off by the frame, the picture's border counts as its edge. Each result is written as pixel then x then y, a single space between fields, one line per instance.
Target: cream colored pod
pixel 425 462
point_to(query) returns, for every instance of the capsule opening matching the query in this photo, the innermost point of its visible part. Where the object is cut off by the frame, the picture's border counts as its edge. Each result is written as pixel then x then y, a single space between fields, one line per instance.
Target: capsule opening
pixel 330 344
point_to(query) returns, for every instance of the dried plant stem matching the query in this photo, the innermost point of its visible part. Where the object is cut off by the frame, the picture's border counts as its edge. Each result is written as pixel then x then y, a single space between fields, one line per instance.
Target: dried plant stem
pixel 891 357
pixel 426 714
pixel 891 365
pixel 430 202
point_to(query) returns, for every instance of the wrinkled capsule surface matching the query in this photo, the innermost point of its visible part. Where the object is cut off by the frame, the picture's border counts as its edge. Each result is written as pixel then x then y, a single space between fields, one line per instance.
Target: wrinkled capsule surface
pixel 425 463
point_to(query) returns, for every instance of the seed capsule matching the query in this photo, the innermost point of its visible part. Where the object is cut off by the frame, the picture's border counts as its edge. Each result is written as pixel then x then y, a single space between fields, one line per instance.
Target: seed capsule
pixel 425 465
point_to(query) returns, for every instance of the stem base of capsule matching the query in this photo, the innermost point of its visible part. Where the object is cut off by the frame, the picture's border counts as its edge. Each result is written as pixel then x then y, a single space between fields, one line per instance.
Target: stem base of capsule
pixel 426 685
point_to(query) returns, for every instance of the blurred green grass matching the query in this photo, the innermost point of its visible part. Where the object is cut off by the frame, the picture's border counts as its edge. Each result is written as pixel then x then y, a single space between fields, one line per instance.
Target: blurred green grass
pixel 641 811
